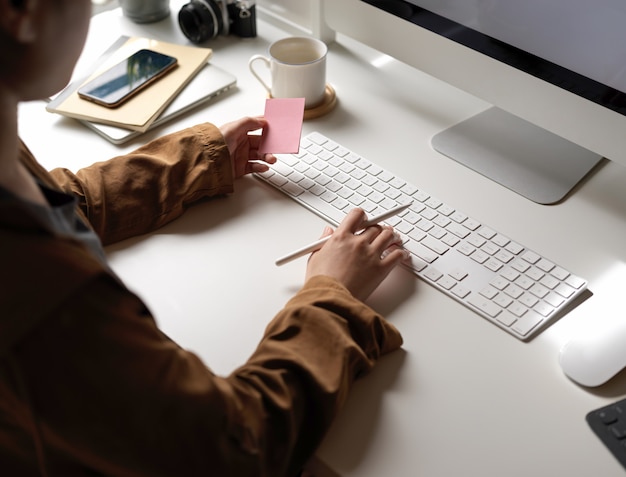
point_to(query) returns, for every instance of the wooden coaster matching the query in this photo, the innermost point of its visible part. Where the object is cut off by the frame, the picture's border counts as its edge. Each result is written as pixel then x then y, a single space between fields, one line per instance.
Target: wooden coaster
pixel 327 104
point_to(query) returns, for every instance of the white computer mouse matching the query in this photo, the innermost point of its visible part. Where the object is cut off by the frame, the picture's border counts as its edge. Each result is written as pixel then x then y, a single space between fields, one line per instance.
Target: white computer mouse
pixel 595 357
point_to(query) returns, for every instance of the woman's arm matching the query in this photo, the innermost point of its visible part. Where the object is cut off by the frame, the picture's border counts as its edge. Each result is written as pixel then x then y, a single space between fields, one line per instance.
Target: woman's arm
pixel 141 191
pixel 115 396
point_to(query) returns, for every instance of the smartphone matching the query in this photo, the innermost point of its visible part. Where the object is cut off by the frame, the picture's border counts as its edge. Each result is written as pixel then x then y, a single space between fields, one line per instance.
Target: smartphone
pixel 121 82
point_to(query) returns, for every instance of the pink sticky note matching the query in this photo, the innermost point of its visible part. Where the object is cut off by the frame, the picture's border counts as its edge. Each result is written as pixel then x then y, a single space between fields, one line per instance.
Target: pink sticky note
pixel 284 126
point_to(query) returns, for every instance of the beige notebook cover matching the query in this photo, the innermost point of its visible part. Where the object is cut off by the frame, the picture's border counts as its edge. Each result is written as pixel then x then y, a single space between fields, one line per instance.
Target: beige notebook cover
pixel 142 110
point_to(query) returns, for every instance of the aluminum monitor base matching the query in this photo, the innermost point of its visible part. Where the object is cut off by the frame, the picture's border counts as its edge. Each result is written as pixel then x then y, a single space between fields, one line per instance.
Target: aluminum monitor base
pixel 525 158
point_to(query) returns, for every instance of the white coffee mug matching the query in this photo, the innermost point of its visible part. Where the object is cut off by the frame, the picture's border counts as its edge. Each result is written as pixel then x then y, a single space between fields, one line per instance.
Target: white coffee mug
pixel 297 68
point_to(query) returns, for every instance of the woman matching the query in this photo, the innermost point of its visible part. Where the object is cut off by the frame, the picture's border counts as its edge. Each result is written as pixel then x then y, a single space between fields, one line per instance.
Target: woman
pixel 88 383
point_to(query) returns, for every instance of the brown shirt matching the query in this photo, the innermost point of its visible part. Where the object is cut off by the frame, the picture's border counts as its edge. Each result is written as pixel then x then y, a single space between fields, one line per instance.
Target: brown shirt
pixel 90 386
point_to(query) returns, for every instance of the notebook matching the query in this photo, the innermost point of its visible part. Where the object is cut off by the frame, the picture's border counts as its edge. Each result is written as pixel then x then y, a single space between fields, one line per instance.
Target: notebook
pixel 139 112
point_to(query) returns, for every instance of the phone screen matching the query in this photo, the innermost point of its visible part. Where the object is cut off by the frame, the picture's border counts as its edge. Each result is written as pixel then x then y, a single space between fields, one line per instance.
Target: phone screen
pixel 128 77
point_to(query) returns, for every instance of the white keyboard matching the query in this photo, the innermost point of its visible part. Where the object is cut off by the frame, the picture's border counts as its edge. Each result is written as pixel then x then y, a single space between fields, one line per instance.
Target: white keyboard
pixel 513 287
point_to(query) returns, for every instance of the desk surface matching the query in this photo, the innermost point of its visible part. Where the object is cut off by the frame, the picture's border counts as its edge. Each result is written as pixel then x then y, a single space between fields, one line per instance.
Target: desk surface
pixel 462 397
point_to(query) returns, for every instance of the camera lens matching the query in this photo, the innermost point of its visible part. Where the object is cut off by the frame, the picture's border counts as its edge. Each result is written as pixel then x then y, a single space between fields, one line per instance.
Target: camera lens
pixel 201 20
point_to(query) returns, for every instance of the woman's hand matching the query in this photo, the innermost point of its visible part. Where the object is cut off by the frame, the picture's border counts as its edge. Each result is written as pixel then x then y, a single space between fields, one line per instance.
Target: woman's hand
pixel 244 147
pixel 358 261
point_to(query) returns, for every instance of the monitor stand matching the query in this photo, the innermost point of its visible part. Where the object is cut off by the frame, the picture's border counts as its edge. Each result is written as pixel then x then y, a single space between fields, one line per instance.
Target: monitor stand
pixel 525 158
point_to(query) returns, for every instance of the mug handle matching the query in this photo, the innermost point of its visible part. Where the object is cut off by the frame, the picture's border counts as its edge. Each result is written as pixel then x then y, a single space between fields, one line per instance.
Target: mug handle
pixel 256 75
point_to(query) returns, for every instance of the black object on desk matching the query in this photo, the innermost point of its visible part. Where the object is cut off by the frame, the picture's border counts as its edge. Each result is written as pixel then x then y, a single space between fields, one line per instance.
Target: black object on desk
pixel 609 424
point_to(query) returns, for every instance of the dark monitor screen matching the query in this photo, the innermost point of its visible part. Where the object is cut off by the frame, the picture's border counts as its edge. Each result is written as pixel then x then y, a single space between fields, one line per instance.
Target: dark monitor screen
pixel 578 45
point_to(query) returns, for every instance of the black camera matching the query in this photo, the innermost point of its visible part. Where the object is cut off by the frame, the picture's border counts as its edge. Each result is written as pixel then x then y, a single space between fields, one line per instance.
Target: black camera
pixel 201 20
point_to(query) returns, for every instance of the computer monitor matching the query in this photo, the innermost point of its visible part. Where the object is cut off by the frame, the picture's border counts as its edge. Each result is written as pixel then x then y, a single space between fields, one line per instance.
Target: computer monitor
pixel 554 72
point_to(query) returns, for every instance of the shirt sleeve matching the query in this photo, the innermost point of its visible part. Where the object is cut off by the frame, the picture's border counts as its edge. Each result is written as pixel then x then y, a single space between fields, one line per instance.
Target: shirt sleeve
pixel 141 191
pixel 116 396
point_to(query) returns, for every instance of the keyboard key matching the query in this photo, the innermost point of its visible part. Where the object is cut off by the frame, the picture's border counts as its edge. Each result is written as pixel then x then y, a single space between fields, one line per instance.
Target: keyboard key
pixel 485 305
pixel 435 245
pixel 524 325
pixel 433 274
pixel 506 318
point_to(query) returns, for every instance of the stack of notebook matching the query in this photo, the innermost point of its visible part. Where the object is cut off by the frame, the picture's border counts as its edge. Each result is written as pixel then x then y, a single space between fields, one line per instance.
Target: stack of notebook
pixel 192 82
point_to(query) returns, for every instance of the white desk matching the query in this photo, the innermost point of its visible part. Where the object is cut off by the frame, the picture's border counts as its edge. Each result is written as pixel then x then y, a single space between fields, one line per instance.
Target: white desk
pixel 463 397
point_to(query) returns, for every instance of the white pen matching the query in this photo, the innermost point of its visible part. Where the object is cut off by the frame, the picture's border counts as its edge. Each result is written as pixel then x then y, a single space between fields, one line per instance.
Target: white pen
pixel 317 245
